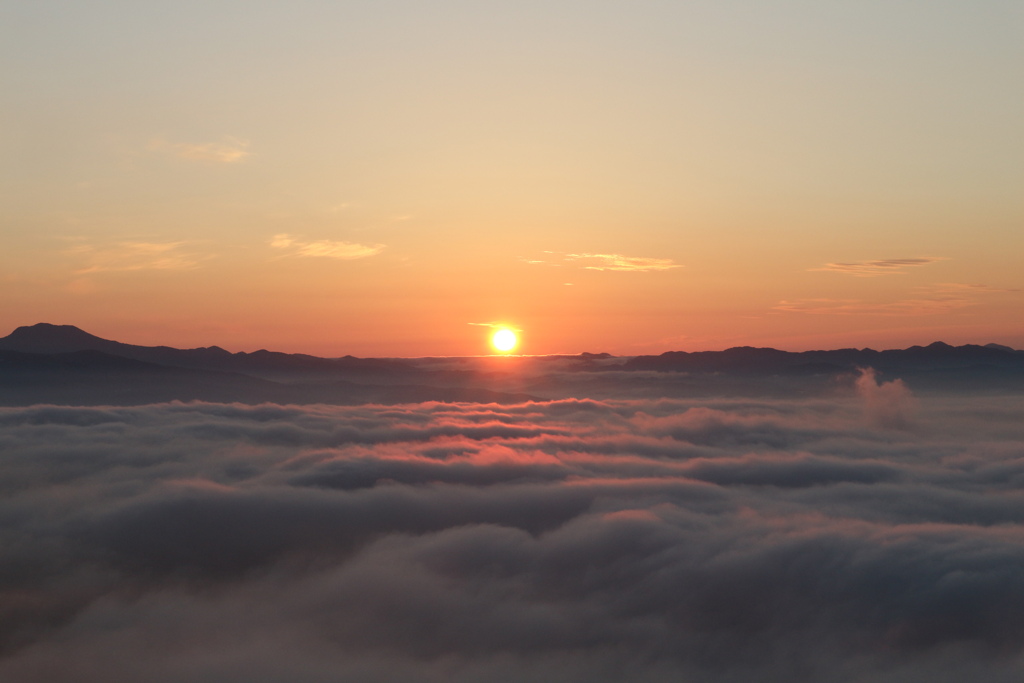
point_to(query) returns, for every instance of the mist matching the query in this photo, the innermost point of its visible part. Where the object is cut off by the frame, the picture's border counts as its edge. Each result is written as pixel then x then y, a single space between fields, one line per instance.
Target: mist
pixel 872 535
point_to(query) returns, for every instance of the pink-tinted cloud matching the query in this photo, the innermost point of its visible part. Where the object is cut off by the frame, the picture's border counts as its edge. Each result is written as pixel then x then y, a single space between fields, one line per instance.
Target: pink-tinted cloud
pixel 557 540
pixel 888 404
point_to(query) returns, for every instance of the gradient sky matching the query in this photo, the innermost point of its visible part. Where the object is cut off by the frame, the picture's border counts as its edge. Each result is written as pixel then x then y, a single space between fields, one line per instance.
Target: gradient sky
pixel 381 178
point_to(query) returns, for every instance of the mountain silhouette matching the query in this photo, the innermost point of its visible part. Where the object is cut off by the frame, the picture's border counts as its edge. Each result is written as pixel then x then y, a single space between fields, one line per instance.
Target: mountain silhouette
pixel 935 356
pixel 48 339
pixel 63 364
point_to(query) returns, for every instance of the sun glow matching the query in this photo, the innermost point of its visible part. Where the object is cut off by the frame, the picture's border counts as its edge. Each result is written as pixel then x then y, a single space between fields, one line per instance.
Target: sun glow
pixel 504 340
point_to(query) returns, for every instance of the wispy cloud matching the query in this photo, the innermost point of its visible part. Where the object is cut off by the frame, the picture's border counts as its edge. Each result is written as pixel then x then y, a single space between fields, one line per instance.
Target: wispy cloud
pixel 125 256
pixel 617 262
pixel 892 266
pixel 498 326
pixel 345 251
pixel 929 300
pixel 624 263
pixel 965 288
pixel 906 307
pixel 229 151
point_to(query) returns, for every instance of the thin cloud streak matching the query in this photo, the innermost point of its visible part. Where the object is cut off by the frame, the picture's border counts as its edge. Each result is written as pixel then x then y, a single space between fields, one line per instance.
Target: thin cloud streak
pixel 929 300
pixel 344 251
pixel 133 256
pixel 230 151
pixel 907 307
pixel 497 326
pixel 613 262
pixel 618 262
pixel 896 266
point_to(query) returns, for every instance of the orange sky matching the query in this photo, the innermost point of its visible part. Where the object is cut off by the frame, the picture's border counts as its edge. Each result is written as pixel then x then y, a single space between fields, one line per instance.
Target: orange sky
pixel 378 179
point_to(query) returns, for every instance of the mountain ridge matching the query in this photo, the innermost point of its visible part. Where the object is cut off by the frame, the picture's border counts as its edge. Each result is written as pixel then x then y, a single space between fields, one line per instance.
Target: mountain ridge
pixel 47 363
pixel 51 338
pixel 937 355
pixel 47 338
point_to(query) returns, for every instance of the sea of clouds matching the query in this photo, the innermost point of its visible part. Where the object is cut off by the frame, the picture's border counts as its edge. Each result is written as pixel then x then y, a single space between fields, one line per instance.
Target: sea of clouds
pixel 874 537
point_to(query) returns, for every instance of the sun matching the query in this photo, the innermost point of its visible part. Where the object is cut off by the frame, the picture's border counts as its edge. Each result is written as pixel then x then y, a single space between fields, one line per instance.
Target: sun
pixel 504 340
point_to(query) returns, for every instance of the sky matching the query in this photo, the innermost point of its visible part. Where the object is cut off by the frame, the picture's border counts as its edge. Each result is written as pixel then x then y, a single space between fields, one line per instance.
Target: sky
pixel 392 178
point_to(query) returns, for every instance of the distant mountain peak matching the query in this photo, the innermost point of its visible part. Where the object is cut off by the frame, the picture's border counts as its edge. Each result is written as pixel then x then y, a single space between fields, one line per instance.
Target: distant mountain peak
pixel 50 338
pixel 50 328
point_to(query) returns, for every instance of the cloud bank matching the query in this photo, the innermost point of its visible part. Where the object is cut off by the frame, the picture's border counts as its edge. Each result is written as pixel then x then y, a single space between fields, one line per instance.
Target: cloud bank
pixel 573 540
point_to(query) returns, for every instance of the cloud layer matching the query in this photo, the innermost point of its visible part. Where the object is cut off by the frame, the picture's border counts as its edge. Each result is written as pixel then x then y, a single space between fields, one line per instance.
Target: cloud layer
pixel 575 540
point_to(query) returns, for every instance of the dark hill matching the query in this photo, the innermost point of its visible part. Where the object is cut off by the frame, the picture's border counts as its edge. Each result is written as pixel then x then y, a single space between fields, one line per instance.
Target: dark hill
pixel 45 338
pixel 64 364
pixel 938 363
